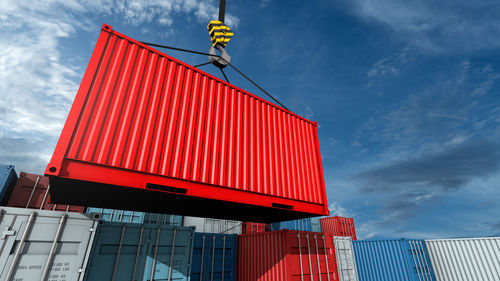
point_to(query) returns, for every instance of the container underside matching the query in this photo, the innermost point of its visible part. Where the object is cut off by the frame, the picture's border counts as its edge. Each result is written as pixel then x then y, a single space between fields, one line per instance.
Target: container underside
pixel 94 194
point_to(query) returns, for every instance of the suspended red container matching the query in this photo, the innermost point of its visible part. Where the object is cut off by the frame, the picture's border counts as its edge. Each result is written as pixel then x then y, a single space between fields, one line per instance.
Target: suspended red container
pixel 148 132
pixel 339 226
pixel 286 255
pixel 254 227
pixel 32 191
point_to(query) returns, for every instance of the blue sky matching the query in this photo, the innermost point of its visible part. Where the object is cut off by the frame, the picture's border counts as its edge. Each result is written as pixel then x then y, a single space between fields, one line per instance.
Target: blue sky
pixel 406 93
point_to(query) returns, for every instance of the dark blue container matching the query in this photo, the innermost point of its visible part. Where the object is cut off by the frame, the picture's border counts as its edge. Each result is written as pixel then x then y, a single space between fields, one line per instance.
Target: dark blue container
pixel 135 217
pixel 392 260
pixel 308 224
pixel 140 252
pixel 8 179
pixel 214 257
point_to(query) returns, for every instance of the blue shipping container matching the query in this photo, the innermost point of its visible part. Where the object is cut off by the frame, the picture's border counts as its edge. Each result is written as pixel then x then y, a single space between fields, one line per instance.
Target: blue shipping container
pixel 214 257
pixel 8 179
pixel 308 224
pixel 392 260
pixel 112 215
pixel 141 252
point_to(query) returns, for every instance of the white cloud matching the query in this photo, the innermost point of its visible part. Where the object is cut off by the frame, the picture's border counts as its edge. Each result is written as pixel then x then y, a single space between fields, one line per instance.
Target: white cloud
pixel 436 26
pixel 337 210
pixel 38 84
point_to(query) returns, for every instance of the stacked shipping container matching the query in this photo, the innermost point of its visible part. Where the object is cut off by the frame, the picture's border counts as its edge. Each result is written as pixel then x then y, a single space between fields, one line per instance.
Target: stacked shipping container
pixel 213 225
pixel 214 257
pixel 307 224
pixel 465 259
pixel 8 179
pixel 32 191
pixel 254 227
pixel 392 260
pixel 339 226
pixel 286 255
pixel 135 217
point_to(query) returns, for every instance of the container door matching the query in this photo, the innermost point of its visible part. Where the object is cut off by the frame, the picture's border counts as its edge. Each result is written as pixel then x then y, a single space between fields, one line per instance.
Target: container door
pixel 29 245
pixel 168 255
pixel 345 259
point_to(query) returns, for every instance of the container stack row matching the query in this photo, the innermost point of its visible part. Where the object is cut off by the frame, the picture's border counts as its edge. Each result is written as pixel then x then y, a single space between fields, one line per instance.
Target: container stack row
pixel 45 241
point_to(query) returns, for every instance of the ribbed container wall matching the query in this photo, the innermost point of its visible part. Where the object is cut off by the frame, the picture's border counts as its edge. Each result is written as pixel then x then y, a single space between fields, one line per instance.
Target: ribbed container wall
pixel 346 264
pixel 214 257
pixel 44 245
pixel 209 225
pixel 135 217
pixel 339 226
pixel 254 227
pixel 307 224
pixel 465 259
pixel 8 179
pixel 140 252
pixel 286 255
pixel 32 191
pixel 145 120
pixel 392 260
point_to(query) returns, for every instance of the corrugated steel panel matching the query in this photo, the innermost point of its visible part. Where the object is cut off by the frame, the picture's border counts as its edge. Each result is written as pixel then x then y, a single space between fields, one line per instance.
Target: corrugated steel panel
pixel 466 259
pixel 286 255
pixel 392 260
pixel 307 224
pixel 8 179
pixel 339 226
pixel 32 191
pixel 44 245
pixel 254 227
pixel 214 257
pixel 209 225
pixel 140 252
pixel 145 120
pixel 346 264
pixel 135 217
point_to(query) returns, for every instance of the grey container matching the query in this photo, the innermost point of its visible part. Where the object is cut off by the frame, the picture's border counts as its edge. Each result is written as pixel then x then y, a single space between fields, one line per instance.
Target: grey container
pixel 346 264
pixel 124 251
pixel 465 259
pixel 44 245
pixel 8 179
pixel 209 225
pixel 113 215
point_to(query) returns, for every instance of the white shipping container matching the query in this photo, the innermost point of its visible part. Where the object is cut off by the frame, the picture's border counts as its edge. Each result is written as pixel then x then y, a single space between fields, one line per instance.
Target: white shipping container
pixel 44 245
pixel 465 259
pixel 213 225
pixel 346 265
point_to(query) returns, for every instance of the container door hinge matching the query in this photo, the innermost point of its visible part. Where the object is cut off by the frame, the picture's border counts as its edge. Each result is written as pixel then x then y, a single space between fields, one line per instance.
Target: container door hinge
pixel 7 232
pixel 92 229
pixel 80 270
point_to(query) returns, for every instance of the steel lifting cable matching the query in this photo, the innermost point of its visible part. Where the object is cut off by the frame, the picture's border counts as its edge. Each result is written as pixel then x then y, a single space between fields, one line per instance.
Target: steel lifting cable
pixel 212 55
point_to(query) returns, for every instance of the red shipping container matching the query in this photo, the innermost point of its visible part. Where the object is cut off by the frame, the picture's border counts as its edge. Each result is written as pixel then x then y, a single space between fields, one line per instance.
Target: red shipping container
pixel 32 191
pixel 339 226
pixel 147 132
pixel 254 227
pixel 286 255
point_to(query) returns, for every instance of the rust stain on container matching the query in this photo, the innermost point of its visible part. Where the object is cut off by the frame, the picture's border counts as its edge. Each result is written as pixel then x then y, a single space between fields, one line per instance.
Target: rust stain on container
pixel 144 120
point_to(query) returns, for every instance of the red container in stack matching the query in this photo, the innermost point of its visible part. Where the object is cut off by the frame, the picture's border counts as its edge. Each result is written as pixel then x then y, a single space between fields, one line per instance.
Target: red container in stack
pixel 338 226
pixel 32 191
pixel 254 227
pixel 286 255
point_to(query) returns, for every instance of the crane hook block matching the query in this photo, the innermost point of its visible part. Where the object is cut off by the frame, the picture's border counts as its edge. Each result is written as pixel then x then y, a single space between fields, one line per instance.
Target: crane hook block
pixel 219 33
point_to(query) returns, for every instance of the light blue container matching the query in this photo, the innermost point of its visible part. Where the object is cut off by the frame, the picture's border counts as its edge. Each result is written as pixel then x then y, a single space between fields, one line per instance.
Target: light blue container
pixel 141 252
pixel 214 257
pixel 8 179
pixel 392 260
pixel 112 215
pixel 308 224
